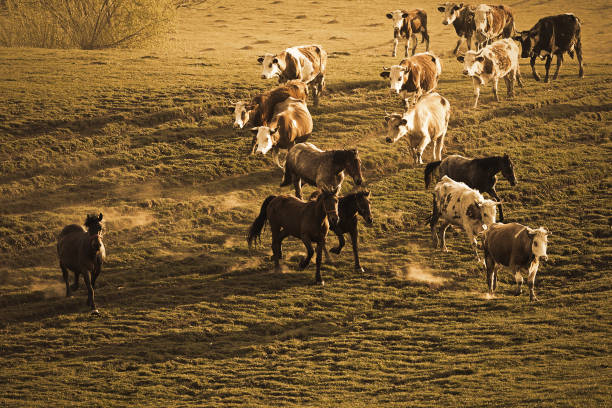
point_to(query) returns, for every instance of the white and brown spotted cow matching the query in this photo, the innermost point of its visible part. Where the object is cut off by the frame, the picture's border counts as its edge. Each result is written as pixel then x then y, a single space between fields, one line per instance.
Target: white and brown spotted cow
pixel 305 63
pixel 456 204
pixel 492 23
pixel 553 35
pixel 461 16
pixel 406 25
pixel 418 74
pixel 425 122
pixel 517 247
pixel 291 124
pixel 495 61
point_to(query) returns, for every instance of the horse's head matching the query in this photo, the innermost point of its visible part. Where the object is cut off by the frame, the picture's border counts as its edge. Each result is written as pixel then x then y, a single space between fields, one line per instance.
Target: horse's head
pixel 94 230
pixel 349 160
pixel 362 199
pixel 329 200
pixel 507 170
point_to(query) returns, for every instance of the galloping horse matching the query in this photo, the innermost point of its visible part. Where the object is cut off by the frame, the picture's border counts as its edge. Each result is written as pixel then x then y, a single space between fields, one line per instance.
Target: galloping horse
pixel 290 216
pixel 82 252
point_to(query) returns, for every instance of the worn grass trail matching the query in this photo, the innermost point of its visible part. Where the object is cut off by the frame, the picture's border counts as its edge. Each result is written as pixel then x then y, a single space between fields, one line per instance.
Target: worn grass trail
pixel 191 317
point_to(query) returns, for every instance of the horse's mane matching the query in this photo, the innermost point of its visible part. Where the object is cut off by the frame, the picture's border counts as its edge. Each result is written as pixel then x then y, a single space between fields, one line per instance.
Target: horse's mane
pixel 69 229
pixel 488 162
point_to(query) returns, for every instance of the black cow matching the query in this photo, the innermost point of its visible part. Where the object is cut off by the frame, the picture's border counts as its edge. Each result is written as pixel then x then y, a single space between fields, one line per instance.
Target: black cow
pixel 553 35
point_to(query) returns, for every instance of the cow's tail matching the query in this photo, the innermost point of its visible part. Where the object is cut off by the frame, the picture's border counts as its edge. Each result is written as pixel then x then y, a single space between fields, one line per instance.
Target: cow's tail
pixel 429 170
pixel 254 233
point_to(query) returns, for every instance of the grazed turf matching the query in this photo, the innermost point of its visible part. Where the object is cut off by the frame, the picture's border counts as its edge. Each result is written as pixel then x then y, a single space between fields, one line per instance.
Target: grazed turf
pixel 191 317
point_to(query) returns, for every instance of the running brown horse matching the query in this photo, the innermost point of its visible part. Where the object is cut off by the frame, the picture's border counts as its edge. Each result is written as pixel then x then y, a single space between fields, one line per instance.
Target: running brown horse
pixel 290 216
pixel 82 252
pixel 348 207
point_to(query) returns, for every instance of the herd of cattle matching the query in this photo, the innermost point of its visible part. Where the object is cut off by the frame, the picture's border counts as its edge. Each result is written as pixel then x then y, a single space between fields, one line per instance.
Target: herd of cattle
pixel 280 119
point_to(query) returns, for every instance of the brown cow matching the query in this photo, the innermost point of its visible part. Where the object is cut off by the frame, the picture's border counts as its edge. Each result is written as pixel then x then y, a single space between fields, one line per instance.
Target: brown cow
pixel 418 74
pixel 492 23
pixel 406 25
pixel 517 247
pixel 462 18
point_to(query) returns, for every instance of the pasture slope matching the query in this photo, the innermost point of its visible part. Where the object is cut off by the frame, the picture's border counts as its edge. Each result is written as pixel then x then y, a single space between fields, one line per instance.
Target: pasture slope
pixel 190 317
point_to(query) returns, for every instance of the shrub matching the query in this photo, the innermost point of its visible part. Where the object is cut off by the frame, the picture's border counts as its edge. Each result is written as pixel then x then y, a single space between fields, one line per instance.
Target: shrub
pixel 85 24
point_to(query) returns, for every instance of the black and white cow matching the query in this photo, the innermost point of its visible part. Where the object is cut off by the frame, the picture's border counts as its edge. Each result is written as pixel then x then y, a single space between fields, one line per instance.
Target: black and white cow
pixel 306 63
pixel 517 247
pixel 406 25
pixel 456 204
pixel 553 35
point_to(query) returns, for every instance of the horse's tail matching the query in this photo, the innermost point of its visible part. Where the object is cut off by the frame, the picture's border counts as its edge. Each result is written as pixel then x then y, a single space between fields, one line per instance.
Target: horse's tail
pixel 259 223
pixel 429 169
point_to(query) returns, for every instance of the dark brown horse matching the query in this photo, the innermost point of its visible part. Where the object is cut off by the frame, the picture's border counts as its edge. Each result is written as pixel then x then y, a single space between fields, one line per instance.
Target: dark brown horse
pixel 289 216
pixel 348 207
pixel 479 174
pixel 82 252
pixel 321 168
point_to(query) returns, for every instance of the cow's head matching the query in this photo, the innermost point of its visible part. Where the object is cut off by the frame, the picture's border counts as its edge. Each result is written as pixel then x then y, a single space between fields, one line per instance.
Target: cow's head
pixel 482 214
pixel 480 19
pixel 450 11
pixel 396 127
pixel 398 17
pixel 507 169
pixel 473 63
pixel 272 66
pixel 264 138
pixel 242 114
pixel 539 242
pixel 398 75
pixel 528 40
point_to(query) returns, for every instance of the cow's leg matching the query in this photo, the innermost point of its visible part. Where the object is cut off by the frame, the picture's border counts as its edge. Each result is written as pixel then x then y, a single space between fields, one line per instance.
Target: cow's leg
pixel 509 79
pixel 395 42
pixel 468 40
pixel 443 229
pixel 532 62
pixel 578 49
pixel 309 252
pixel 297 184
pixel 66 276
pixel 490 265
pixel 473 241
pixel 276 153
pixel 320 247
pixel 421 148
pixel 354 242
pixel 547 66
pixel 425 39
pixel 519 79
pixel 495 82
pixel 559 62
pixel 457 46
pixel 433 221
pixel 440 147
pixel 518 278
pixel 415 41
pixel 476 83
pixel 315 93
pixel 341 243
pixel 533 269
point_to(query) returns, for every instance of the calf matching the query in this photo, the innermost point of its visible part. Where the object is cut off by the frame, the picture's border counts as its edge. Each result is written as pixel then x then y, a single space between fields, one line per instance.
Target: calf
pixel 425 122
pixel 418 74
pixel 406 25
pixel 517 247
pixel 498 60
pixel 492 23
pixel 290 124
pixel 456 204
pixel 553 35
pixel 462 18
pixel 305 63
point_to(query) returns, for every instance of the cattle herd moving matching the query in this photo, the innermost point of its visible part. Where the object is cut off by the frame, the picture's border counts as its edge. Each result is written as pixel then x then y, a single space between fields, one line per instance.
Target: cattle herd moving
pixel 280 119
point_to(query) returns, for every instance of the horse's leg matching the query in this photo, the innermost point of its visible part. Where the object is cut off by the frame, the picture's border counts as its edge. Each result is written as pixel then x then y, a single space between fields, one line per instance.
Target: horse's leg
pixel 547 66
pixel 90 292
pixel 75 285
pixel 341 242
pixel 493 194
pixel 320 247
pixel 96 272
pixel 66 276
pixel 354 241
pixel 309 252
pixel 276 245
pixel 297 184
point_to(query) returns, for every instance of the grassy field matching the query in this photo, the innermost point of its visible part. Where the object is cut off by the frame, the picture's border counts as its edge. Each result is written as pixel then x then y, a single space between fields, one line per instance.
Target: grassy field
pixel 191 317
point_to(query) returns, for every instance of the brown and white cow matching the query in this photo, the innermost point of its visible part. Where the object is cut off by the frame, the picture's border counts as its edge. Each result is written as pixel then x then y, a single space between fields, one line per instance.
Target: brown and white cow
pixel 406 25
pixel 425 122
pixel 418 74
pixel 553 35
pixel 461 16
pixel 290 124
pixel 305 63
pixel 495 61
pixel 456 204
pixel 517 247
pixel 492 23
